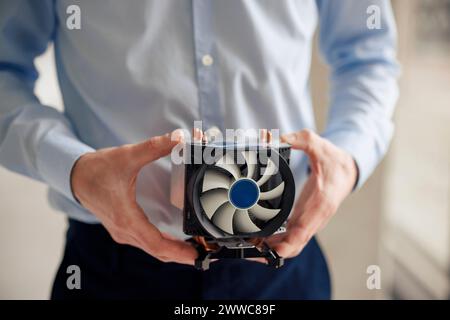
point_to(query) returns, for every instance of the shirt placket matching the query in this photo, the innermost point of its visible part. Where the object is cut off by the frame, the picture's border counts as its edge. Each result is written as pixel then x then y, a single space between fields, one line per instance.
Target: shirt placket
pixel 206 65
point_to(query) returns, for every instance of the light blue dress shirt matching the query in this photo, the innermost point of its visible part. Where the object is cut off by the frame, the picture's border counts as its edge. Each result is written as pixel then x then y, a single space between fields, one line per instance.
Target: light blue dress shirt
pixel 137 69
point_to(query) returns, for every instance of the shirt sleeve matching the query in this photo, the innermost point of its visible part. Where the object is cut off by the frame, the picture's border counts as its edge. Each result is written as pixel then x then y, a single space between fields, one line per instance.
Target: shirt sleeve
pixel 35 140
pixel 361 54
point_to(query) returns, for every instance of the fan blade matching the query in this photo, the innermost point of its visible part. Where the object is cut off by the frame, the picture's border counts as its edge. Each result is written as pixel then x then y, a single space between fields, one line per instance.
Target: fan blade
pixel 242 222
pixel 250 160
pixel 212 200
pixel 272 194
pixel 223 218
pixel 227 163
pixel 263 213
pixel 215 180
pixel 270 170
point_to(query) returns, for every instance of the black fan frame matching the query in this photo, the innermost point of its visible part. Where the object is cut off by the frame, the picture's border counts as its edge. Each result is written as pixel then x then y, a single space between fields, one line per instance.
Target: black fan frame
pixel 196 223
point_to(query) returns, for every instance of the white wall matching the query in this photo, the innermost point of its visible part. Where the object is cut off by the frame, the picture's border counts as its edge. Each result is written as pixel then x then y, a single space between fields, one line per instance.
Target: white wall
pixel 416 222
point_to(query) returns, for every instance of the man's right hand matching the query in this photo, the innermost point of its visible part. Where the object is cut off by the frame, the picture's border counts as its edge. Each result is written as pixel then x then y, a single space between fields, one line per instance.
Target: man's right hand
pixel 104 182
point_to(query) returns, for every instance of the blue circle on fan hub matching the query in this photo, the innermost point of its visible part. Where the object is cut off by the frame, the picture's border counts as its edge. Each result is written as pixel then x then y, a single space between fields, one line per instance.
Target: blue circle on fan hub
pixel 244 193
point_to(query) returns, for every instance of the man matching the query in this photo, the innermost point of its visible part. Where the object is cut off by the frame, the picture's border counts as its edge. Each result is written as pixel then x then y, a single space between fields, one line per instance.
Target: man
pixel 134 71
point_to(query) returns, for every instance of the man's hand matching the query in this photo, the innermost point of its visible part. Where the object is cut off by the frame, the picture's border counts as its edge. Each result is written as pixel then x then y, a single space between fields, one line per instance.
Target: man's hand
pixel 333 175
pixel 105 183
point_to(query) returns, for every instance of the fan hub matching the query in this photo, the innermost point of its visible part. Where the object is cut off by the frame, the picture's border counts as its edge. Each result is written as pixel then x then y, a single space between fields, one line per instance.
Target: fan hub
pixel 244 193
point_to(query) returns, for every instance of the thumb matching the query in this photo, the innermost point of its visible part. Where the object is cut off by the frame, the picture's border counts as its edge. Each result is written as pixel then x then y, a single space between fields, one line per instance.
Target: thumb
pixel 156 147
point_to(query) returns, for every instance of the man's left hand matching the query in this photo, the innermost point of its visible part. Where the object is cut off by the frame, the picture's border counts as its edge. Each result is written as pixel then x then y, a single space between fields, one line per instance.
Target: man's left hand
pixel 333 176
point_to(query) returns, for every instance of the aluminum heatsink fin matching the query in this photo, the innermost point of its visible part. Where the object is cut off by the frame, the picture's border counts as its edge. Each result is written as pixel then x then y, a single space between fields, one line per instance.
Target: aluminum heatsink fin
pixel 268 172
pixel 227 163
pixel 215 180
pixel 223 218
pixel 250 160
pixel 263 213
pixel 212 200
pixel 242 222
pixel 272 194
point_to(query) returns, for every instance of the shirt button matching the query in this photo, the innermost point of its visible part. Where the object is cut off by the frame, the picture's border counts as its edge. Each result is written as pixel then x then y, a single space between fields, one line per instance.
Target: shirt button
pixel 207 60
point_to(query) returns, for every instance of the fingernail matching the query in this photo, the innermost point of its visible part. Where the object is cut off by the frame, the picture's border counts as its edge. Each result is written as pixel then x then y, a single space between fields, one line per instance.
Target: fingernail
pixel 177 135
pixel 197 134
pixel 289 138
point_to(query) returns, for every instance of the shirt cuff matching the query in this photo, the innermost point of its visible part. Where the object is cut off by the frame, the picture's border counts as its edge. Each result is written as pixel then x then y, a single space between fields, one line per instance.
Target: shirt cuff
pixel 362 148
pixel 56 155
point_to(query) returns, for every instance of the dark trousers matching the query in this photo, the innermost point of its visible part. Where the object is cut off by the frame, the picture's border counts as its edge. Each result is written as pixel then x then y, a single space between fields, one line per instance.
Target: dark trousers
pixel 113 271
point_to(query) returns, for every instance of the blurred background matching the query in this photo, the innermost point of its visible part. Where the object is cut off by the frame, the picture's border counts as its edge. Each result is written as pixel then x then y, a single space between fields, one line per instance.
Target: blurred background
pixel 399 221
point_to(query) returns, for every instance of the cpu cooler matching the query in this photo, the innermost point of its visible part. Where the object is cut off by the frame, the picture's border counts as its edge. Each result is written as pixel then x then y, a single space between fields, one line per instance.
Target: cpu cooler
pixel 234 197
